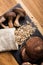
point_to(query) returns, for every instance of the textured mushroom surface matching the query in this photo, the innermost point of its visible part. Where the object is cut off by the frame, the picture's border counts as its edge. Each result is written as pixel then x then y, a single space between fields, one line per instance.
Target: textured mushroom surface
pixel 20 11
pixel 24 56
pixel 34 48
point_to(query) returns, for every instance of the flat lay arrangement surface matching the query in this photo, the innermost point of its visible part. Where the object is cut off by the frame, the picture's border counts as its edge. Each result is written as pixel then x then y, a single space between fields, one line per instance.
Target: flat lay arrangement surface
pixel 21 34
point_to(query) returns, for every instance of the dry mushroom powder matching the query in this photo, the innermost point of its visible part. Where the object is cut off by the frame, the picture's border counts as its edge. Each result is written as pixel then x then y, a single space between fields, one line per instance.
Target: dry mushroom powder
pixel 23 32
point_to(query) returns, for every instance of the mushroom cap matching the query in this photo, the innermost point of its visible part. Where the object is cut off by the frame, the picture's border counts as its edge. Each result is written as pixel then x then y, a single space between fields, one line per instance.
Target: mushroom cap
pixel 2 19
pixel 20 11
pixel 23 54
pixel 34 48
pixel 10 14
pixel 26 63
pixel 41 63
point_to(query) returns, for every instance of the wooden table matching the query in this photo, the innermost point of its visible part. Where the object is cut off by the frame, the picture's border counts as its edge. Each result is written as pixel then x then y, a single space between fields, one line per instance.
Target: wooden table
pixel 5 5
pixel 7 59
pixel 34 12
pixel 36 8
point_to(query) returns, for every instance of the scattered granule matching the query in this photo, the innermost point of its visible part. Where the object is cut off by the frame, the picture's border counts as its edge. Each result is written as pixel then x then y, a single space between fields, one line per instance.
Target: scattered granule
pixel 23 32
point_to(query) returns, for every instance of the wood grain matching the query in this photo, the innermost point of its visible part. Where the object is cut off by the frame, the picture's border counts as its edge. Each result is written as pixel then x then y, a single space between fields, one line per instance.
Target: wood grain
pixel 34 20
pixel 7 59
pixel 5 5
pixel 36 8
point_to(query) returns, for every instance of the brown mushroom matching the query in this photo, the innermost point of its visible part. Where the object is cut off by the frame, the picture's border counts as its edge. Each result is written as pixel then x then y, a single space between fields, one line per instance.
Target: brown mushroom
pixel 16 22
pixel 34 48
pixel 20 13
pixel 10 16
pixel 19 10
pixel 2 19
pixel 23 54
pixel 41 63
pixel 26 63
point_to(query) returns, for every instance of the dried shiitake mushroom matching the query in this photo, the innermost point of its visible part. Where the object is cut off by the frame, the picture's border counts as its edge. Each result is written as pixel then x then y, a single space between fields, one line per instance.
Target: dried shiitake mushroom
pixel 10 15
pixel 20 13
pixel 23 54
pixel 34 48
pixel 19 10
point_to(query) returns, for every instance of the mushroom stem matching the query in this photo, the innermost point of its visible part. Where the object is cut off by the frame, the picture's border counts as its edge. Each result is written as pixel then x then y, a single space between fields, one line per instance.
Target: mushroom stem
pixel 10 24
pixel 2 19
pixel 16 22
pixel 3 25
pixel 10 15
